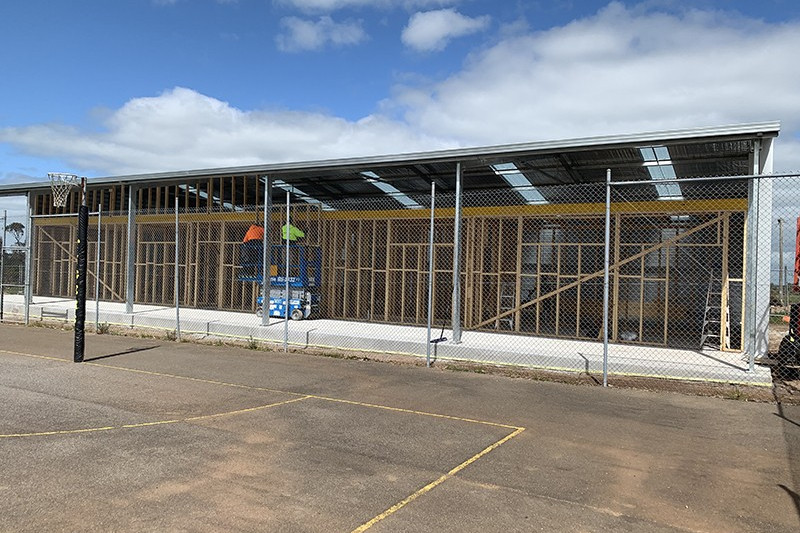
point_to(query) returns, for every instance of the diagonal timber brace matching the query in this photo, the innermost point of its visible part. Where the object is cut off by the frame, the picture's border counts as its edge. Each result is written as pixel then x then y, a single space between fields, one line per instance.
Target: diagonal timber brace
pixel 72 255
pixel 599 273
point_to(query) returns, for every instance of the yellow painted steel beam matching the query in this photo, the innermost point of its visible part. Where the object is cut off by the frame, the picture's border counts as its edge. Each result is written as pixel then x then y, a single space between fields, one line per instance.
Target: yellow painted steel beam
pixel 655 207
pixel 631 208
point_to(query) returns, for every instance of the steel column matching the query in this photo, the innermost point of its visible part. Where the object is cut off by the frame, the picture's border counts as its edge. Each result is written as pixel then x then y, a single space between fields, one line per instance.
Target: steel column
pixel 456 308
pixel 759 256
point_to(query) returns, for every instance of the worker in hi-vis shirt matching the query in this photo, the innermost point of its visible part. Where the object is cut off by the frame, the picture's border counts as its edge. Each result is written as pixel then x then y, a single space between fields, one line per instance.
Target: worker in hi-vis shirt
pixel 293 232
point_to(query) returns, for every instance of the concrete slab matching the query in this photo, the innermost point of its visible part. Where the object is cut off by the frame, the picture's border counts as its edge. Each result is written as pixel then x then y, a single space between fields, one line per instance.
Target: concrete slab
pixel 477 346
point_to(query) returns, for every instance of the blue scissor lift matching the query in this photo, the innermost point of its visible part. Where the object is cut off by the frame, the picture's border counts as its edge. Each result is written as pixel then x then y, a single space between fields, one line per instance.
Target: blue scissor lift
pixel 305 269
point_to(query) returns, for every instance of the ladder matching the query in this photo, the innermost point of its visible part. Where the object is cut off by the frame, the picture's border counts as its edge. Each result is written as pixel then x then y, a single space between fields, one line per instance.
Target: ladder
pixel 508 301
pixel 716 331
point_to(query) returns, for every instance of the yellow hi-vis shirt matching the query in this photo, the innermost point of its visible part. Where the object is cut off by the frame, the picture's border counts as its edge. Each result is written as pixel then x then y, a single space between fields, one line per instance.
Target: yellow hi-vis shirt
pixel 293 232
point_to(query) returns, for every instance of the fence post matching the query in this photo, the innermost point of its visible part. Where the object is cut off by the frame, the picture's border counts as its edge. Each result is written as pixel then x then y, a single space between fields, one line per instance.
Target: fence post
pixel 97 271
pixel 177 276
pixel 430 276
pixel 287 296
pixel 130 265
pixel 2 263
pixel 780 262
pixel 753 218
pixel 266 259
pixel 28 257
pixel 456 308
pixel 606 277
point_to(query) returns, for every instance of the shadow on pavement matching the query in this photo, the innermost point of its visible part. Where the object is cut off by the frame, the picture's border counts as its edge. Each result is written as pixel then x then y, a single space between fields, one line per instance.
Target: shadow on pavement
pixel 790 433
pixel 132 350
pixel 795 498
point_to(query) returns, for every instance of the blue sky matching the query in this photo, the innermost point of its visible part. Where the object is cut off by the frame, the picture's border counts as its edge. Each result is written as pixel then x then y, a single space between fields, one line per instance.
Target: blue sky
pixel 100 87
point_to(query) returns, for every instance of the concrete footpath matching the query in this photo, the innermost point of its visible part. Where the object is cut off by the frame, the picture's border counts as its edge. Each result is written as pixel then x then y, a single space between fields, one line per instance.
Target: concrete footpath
pixel 151 435
pixel 566 355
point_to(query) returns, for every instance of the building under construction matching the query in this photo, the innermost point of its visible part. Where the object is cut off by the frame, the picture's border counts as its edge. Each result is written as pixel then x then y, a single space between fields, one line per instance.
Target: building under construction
pixel 519 236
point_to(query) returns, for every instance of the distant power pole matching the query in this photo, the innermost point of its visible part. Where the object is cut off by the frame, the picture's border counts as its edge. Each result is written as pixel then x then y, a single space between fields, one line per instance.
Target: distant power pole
pixel 781 281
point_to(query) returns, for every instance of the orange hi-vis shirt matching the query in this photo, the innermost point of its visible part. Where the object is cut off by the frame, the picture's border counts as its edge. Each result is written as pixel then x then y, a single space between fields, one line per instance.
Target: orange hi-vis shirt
pixel 254 233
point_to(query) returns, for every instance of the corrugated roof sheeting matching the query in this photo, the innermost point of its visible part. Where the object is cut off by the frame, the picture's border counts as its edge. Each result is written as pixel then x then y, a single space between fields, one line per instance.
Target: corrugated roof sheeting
pixel 547 166
pixel 548 173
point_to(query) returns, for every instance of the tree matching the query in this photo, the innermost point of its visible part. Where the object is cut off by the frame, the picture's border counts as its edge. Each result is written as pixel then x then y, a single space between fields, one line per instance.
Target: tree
pixel 17 230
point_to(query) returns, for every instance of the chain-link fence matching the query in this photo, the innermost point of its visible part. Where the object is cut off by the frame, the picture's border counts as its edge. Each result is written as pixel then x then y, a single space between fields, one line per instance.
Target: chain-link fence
pixel 13 238
pixel 689 279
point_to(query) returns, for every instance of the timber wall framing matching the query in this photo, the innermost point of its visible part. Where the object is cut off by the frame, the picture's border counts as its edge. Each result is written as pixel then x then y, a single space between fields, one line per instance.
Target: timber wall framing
pixel 538 275
pixel 526 269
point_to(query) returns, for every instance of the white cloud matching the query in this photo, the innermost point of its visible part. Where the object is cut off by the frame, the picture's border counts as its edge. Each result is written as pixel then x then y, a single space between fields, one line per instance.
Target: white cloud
pixel 328 6
pixel 173 2
pixel 432 30
pixel 619 71
pixel 183 129
pixel 787 150
pixel 301 34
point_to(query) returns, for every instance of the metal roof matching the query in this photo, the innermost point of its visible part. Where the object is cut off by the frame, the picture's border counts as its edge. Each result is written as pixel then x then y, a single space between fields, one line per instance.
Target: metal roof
pixel 712 151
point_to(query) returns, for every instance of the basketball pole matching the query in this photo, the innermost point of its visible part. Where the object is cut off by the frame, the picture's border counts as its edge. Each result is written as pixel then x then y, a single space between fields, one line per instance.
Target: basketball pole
pixel 80 281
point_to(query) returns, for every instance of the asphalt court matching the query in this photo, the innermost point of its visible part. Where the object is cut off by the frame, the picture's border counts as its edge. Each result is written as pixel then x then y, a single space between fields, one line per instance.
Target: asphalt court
pixel 339 464
pixel 153 435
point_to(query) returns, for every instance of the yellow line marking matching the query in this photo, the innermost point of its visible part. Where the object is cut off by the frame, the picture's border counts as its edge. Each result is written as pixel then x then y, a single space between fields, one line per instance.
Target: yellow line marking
pixel 190 378
pixel 317 397
pixel 433 484
pixel 363 527
pixel 414 412
pixel 266 389
pixel 59 432
pixel 34 355
pixel 247 410
pixel 154 423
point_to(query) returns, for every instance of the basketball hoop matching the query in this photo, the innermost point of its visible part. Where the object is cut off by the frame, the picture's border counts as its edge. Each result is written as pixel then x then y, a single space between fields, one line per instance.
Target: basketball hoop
pixel 60 184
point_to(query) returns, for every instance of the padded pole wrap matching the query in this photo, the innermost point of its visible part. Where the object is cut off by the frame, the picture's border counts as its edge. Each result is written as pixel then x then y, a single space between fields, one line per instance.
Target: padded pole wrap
pixel 80 282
